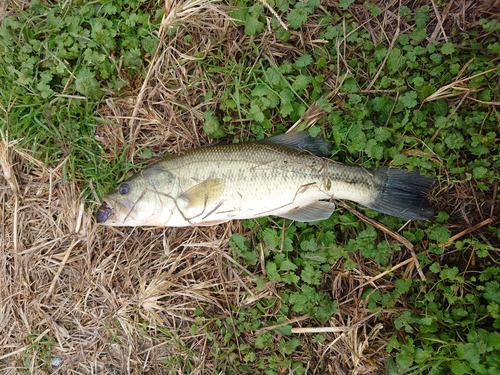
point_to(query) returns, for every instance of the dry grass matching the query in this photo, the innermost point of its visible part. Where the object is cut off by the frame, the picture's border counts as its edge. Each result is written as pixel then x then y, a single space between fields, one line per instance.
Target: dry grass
pixel 117 301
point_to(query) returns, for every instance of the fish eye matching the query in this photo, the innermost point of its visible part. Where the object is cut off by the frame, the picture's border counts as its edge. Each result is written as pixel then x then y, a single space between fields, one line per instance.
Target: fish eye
pixel 124 188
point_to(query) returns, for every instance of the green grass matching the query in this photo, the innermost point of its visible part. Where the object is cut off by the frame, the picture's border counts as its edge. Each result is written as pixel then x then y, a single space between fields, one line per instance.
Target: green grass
pixel 57 66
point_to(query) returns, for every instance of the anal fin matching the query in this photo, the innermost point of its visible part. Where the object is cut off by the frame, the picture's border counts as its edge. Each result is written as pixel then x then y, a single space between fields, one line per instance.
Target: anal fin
pixel 209 223
pixel 316 211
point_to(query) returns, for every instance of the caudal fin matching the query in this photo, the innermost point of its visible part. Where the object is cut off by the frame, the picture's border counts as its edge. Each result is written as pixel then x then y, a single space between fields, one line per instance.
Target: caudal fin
pixel 403 194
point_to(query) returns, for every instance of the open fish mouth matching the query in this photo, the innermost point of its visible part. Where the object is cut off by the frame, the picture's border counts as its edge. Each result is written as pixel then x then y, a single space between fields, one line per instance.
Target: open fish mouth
pixel 103 213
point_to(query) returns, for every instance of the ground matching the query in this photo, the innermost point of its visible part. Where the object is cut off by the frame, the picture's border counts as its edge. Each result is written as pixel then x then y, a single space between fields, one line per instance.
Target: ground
pixel 77 297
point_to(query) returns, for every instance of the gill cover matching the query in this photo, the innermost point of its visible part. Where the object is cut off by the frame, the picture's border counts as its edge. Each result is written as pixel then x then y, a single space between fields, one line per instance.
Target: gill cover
pixel 147 198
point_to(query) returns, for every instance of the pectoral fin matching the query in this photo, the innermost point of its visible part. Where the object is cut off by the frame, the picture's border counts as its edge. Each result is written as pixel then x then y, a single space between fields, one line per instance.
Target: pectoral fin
pixel 204 193
pixel 319 210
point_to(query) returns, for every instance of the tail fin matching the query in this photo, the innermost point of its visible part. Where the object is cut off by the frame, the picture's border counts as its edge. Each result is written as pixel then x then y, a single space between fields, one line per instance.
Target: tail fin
pixel 403 194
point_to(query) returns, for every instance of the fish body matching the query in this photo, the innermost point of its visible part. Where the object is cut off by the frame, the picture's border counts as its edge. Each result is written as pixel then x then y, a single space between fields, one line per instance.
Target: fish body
pixel 287 176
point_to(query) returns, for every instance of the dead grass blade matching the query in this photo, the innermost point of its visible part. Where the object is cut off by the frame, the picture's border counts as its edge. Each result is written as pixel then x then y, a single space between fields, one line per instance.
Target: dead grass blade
pixel 20 350
pixel 456 88
pixel 6 163
pixel 469 230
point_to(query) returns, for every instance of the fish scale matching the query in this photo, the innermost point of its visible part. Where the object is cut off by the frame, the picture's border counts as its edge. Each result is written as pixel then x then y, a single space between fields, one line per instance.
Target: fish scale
pixel 286 176
pixel 262 179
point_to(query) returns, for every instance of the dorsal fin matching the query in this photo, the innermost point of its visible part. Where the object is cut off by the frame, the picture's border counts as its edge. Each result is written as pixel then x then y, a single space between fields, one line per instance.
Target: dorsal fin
pixel 302 141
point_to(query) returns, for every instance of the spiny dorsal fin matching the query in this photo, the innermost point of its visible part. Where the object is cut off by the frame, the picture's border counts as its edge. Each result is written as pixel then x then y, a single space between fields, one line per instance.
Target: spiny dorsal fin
pixel 302 141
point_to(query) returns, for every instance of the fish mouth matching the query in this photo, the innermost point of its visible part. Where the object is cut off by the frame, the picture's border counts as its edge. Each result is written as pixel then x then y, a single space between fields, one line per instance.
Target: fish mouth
pixel 103 213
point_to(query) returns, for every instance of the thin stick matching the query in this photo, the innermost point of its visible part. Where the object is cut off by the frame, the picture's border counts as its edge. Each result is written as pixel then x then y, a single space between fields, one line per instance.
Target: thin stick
pixel 469 230
pixel 61 267
pixel 380 275
pixel 283 25
pixel 391 233
pixel 391 46
pixel 439 22
pixel 333 329
pixel 320 329
pixel 288 322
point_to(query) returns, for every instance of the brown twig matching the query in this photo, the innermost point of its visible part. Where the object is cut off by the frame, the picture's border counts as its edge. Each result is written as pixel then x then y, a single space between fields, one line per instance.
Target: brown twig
pixel 391 233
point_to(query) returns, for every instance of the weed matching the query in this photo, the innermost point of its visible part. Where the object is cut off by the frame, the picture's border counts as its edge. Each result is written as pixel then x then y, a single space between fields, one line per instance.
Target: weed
pixel 449 328
pixel 57 64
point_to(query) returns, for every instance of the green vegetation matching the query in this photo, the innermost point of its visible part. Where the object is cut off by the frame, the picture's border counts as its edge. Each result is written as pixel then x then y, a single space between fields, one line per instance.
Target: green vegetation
pixel 57 65
pixel 406 102
pixel 454 327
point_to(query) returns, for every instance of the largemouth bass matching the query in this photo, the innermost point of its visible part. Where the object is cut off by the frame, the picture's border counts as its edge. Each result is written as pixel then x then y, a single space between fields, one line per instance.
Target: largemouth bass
pixel 286 175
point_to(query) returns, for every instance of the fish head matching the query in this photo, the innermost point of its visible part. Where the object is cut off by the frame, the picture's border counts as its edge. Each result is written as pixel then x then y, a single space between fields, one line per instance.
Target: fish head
pixel 147 198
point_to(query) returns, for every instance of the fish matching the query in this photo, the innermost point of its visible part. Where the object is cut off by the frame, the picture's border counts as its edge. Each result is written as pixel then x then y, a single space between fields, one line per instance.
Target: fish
pixel 288 175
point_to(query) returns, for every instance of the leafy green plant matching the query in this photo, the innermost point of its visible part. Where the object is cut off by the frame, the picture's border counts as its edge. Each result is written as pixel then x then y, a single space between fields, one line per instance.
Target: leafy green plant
pixel 449 328
pixel 57 64
pixel 253 16
pixel 39 351
pixel 235 354
pixel 298 261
